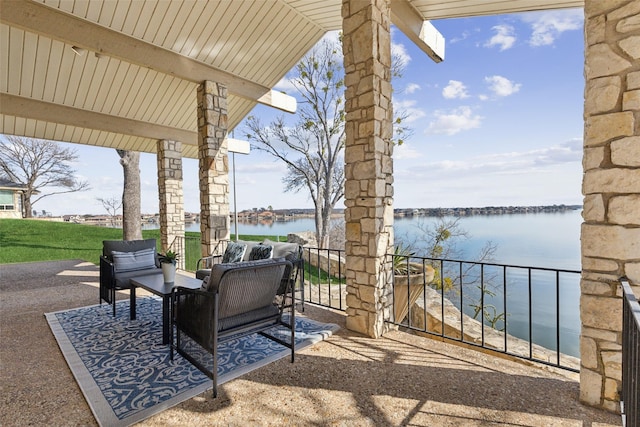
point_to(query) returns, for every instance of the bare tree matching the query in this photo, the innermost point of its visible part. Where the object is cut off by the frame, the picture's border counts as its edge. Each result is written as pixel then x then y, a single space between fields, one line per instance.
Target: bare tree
pixel 313 148
pixel 131 223
pixel 39 164
pixel 112 205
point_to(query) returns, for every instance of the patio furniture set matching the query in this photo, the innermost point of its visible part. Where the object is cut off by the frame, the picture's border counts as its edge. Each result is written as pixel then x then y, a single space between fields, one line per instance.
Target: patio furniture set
pixel 248 289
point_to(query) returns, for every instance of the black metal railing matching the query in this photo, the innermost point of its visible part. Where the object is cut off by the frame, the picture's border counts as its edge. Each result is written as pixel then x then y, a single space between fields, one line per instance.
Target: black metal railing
pixel 190 249
pixel 526 312
pixel 324 277
pixel 630 398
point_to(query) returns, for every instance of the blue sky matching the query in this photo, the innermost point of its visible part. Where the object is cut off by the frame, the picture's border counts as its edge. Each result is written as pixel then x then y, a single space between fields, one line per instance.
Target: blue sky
pixel 498 122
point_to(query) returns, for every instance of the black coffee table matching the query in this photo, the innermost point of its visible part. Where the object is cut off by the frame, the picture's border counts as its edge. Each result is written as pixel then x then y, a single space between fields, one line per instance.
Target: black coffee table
pixel 154 283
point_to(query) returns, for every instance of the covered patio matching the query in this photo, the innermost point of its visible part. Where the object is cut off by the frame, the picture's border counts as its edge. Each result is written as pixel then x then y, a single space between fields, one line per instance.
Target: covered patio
pixel 176 78
pixel 400 379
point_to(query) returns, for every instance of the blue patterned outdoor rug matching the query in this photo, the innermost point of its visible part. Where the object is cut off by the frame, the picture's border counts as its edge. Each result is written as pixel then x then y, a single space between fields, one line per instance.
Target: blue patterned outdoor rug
pixel 125 372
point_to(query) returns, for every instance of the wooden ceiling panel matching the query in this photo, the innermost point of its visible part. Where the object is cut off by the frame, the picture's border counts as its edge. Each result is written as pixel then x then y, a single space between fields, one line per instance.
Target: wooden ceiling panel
pixel 4 58
pixel 158 30
pixel 199 20
pixel 42 62
pixel 93 10
pixel 29 52
pixel 14 56
pixel 327 14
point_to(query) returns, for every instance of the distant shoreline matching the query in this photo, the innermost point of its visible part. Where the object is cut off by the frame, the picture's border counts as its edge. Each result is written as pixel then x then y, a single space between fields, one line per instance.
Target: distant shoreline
pixel 293 214
pixel 488 210
pixel 285 214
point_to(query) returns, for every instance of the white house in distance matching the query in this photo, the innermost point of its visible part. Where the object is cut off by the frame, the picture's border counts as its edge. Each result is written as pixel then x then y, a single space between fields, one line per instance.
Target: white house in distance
pixel 11 199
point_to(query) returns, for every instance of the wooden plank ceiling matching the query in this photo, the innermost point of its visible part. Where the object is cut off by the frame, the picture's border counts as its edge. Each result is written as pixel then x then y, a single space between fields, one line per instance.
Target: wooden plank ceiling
pixel 135 80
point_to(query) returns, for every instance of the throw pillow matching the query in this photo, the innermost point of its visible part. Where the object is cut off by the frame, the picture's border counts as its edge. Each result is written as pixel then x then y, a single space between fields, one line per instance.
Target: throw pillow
pixel 234 252
pixel 261 252
pixel 132 261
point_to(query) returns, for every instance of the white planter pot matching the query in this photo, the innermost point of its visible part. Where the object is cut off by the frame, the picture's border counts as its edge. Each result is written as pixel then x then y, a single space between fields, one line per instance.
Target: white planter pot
pixel 169 272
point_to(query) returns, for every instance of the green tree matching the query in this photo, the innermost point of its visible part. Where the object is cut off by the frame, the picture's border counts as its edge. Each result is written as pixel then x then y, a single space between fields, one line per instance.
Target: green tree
pixel 39 164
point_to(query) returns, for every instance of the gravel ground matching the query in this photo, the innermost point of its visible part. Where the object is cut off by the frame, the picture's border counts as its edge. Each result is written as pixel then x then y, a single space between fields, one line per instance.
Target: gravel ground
pixel 347 380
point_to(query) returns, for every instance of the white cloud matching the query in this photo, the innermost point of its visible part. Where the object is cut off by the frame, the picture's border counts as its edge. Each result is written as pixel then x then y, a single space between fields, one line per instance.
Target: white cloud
pixel 332 36
pixel 501 86
pixel 412 88
pixel 456 121
pixel 548 26
pixel 400 55
pixel 540 164
pixel 285 85
pixel 409 109
pixel 463 36
pixel 405 151
pixel 455 90
pixel 504 37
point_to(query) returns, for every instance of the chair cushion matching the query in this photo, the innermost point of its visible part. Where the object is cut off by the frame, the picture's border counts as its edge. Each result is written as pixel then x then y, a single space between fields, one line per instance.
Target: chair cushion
pixel 288 251
pixel 132 261
pixel 250 244
pixel 234 252
pixel 122 279
pixel 256 315
pixel 261 252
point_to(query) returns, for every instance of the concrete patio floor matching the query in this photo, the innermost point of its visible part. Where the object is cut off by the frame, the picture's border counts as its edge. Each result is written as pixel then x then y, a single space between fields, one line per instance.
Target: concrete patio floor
pixel 347 380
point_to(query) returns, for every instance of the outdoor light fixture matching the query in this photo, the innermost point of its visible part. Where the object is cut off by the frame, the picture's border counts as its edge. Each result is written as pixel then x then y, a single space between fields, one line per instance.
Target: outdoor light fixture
pixel 78 50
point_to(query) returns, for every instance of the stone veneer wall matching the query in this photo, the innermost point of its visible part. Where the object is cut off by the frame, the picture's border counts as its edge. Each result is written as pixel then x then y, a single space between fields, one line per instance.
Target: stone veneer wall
pixel 171 194
pixel 213 159
pixel 369 167
pixel 611 186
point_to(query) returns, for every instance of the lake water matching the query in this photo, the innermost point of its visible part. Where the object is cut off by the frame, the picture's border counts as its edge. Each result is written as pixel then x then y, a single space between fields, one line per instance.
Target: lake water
pixel 549 240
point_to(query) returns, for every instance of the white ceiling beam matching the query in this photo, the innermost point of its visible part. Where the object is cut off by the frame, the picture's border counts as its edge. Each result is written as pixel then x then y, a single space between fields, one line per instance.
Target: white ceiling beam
pixel 421 32
pixel 49 22
pixel 19 106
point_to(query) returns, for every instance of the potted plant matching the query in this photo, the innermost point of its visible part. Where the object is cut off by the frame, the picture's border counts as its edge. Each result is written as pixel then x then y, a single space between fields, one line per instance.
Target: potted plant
pixel 168 262
pixel 409 280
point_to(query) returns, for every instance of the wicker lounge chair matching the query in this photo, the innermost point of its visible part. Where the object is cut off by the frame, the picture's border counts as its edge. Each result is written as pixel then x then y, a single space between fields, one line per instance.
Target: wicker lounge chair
pixel 237 298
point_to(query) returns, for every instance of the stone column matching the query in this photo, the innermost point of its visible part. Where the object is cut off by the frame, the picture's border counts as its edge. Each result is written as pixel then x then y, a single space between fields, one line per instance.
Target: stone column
pixel 610 234
pixel 369 167
pixel 171 197
pixel 213 165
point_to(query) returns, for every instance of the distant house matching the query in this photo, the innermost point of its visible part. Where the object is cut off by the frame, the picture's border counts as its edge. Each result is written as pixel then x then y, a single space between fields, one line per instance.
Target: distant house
pixel 11 199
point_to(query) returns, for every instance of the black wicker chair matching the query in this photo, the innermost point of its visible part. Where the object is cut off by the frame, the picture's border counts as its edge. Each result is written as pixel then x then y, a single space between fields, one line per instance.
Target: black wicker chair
pixel 237 299
pixel 115 274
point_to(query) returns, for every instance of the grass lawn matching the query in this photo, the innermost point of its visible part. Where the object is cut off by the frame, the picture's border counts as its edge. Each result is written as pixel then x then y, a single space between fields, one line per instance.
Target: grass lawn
pixel 25 240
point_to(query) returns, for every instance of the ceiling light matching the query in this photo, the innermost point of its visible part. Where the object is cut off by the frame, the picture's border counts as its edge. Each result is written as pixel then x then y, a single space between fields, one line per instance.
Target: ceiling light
pixel 78 50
